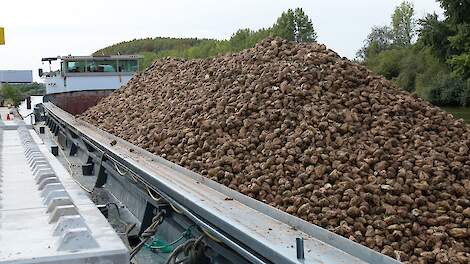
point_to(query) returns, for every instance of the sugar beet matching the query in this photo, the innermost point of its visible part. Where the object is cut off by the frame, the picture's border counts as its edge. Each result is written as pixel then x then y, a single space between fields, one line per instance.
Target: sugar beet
pixel 313 134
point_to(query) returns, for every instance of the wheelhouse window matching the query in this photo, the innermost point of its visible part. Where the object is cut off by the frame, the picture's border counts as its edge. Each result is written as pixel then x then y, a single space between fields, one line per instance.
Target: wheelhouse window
pixel 75 66
pixel 101 66
pixel 127 66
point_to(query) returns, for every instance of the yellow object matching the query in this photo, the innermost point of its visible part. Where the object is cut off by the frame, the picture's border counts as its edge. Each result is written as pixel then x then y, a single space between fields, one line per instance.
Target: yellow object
pixel 2 36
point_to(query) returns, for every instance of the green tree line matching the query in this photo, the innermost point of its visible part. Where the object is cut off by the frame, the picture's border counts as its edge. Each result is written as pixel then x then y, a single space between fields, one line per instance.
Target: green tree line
pixel 292 24
pixel 429 55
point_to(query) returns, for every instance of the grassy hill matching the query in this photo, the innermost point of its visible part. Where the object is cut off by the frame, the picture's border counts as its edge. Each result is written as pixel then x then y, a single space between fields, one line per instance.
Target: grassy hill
pixel 156 45
pixel 293 25
pixel 152 48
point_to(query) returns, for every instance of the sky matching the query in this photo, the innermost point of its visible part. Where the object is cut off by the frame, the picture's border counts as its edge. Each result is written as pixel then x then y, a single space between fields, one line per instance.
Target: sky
pixel 36 29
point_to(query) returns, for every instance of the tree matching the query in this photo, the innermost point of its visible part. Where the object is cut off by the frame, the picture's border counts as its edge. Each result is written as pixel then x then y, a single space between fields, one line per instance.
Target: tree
pixel 379 39
pixel 11 94
pixel 295 25
pixel 247 38
pixel 403 24
pixel 399 34
pixel 437 66
pixel 241 39
pixel 461 64
pixel 285 26
pixel 304 26
pixel 434 34
pixel 456 11
pixel 458 22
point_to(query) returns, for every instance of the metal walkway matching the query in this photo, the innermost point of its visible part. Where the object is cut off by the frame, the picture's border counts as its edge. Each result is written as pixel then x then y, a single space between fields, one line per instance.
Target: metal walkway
pixel 44 216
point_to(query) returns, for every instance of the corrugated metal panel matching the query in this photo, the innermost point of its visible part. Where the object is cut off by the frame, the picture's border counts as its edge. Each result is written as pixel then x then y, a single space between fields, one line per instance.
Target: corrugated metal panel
pixel 56 222
pixel 13 76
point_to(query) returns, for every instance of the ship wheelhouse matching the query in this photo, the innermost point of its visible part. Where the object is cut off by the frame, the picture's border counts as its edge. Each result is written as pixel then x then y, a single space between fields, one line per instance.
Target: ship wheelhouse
pixel 76 83
pixel 79 73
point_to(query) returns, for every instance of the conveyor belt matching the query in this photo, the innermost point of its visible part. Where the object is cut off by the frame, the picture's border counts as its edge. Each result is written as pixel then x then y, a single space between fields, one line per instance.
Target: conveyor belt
pixel 256 231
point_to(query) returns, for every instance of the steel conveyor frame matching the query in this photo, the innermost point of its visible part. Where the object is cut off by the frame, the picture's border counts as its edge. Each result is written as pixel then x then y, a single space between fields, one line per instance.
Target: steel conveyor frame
pixel 246 228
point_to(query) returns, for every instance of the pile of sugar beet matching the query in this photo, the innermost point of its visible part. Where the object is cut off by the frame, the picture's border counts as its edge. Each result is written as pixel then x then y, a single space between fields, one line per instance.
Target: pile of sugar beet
pixel 314 135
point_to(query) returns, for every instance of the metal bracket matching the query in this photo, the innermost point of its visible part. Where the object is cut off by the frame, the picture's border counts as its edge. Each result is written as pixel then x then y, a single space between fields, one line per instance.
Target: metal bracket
pixel 102 175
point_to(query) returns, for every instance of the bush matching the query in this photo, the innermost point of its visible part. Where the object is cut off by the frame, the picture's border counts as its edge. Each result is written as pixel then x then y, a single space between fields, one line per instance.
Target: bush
pixel 450 91
pixel 386 63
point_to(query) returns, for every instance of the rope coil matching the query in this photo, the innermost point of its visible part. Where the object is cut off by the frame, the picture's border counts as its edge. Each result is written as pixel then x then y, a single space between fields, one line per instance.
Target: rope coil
pixel 188 249
pixel 148 233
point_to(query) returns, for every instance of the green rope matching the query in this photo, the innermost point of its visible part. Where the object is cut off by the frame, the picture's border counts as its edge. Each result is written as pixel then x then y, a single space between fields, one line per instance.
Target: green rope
pixel 162 246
